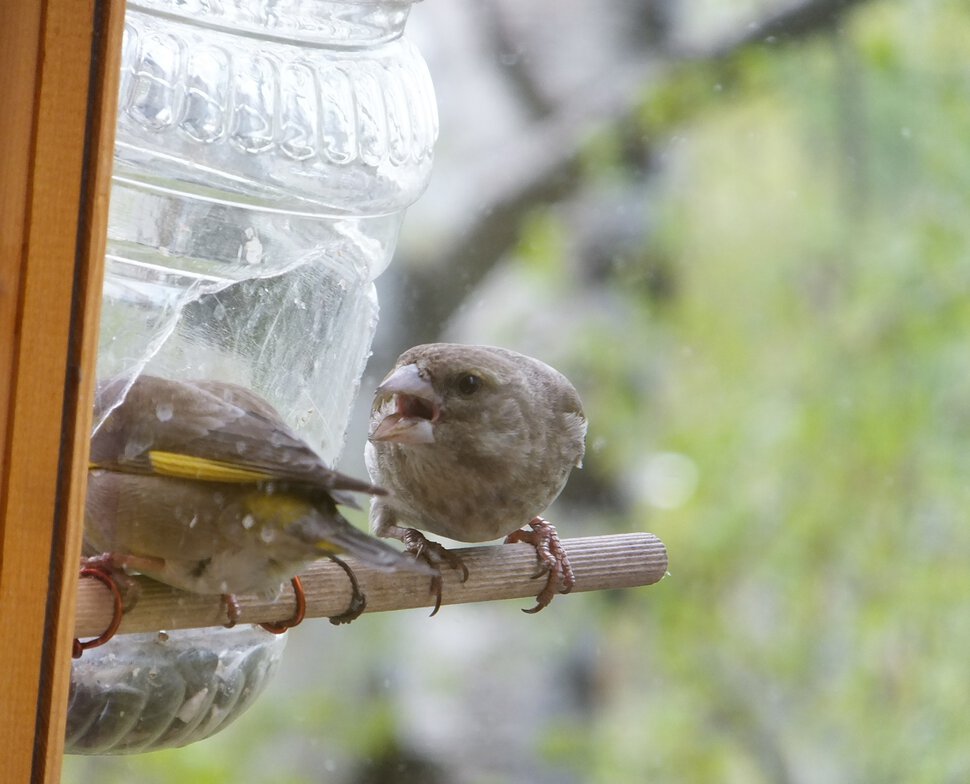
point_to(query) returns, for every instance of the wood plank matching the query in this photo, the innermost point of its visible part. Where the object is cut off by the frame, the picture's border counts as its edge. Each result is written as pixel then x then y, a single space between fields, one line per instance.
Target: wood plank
pixel 60 60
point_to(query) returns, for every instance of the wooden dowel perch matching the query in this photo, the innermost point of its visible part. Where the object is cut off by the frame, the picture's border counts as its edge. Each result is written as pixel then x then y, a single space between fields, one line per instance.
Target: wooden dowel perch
pixel 495 572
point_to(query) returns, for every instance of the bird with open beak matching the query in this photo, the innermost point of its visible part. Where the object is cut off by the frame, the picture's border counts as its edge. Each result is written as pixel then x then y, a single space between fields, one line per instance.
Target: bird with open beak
pixel 474 443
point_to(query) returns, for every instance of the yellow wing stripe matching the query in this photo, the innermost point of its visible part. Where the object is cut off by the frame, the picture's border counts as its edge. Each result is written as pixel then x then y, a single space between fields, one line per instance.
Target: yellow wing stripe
pixel 188 467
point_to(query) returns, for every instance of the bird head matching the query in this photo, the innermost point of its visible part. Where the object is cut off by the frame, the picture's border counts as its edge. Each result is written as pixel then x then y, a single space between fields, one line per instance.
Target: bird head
pixel 447 392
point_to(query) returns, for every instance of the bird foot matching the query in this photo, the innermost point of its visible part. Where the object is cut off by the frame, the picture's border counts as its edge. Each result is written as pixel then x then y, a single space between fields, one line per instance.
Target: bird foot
pixel 433 554
pixel 118 568
pixel 358 601
pixel 112 579
pixel 298 614
pixel 232 609
pixel 551 557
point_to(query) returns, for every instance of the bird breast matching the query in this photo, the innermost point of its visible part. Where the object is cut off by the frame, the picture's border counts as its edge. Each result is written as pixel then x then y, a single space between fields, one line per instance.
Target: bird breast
pixel 462 496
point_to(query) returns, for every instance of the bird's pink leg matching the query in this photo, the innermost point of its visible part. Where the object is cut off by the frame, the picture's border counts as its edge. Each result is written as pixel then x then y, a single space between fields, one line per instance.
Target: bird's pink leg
pixel 232 609
pixel 552 559
pixel 283 626
pixel 111 581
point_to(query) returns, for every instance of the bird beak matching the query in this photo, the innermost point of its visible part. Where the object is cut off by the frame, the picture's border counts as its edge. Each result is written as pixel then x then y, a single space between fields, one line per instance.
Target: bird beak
pixel 415 408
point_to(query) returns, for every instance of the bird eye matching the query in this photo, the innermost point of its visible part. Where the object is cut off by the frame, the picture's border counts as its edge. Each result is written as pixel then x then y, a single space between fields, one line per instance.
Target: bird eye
pixel 469 384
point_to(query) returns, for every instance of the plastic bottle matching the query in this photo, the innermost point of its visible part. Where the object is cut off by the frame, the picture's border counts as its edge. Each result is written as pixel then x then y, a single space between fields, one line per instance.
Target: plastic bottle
pixel 161 690
pixel 265 155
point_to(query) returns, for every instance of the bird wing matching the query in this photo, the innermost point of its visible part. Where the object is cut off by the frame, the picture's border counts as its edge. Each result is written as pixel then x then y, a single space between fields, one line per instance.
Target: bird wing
pixel 206 431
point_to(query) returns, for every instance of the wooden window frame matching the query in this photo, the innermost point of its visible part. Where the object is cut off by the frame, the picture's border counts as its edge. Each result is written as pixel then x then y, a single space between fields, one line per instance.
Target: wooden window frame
pixel 59 69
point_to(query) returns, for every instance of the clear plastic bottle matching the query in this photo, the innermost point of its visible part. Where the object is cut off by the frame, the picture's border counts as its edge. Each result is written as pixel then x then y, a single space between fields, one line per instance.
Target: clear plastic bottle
pixel 145 692
pixel 266 152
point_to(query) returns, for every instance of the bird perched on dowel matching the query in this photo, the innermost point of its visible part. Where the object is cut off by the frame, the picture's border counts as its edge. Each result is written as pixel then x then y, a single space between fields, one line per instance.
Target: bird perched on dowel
pixel 473 443
pixel 202 486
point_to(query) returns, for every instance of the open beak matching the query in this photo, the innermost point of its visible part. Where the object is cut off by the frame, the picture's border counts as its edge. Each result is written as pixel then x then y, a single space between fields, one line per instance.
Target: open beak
pixel 414 408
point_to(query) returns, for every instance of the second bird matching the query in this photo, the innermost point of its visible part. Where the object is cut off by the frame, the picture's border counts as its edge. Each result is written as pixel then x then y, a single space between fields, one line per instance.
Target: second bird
pixel 473 443
pixel 201 485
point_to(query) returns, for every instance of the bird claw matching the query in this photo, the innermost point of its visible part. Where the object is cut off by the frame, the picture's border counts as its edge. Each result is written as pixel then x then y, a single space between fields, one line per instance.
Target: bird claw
pixel 552 560
pixel 436 590
pixel 358 601
pixel 232 609
pixel 296 619
pixel 113 579
pixel 116 567
pixel 433 554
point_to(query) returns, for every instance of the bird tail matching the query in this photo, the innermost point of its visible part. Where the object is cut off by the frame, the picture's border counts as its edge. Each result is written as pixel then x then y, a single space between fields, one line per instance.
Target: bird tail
pixel 336 536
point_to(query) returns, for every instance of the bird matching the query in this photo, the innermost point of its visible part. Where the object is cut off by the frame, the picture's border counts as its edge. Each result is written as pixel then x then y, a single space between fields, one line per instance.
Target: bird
pixel 473 443
pixel 202 486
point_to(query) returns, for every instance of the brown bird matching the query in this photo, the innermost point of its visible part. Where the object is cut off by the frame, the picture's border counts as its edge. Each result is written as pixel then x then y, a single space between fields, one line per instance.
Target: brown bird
pixel 201 485
pixel 473 443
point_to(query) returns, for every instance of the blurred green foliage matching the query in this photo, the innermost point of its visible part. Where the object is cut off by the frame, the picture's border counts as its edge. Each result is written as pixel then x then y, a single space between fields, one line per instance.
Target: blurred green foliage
pixel 809 357
pixel 814 625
